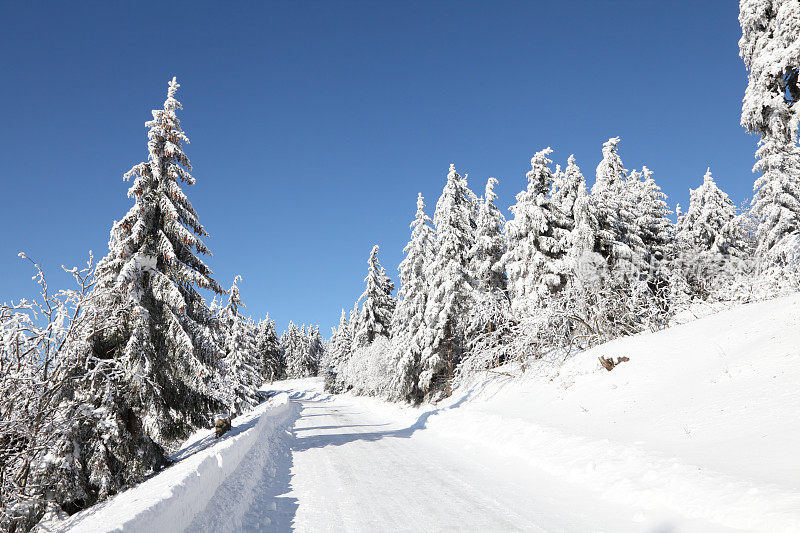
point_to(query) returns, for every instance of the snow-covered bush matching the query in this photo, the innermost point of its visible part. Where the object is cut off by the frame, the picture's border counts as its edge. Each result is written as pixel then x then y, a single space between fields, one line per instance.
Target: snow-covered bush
pixel 369 369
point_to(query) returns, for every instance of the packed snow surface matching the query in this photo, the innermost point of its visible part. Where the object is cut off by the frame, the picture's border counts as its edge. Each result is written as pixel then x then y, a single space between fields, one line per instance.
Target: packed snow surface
pixel 699 431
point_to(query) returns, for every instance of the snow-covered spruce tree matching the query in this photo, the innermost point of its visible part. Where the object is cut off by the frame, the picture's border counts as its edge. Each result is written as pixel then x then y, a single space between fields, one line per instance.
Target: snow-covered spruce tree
pixel 770 48
pixel 653 225
pixel 408 321
pixel 291 346
pixel 614 201
pixel 316 349
pixel 656 232
pixel 450 286
pixel 268 350
pixel 337 354
pixel 242 369
pixel 536 243
pixel 149 363
pixel 707 224
pixel 490 244
pixel 153 272
pixel 629 302
pixel 574 314
pixel 566 188
pixel 489 315
pixel 379 304
pixel 710 240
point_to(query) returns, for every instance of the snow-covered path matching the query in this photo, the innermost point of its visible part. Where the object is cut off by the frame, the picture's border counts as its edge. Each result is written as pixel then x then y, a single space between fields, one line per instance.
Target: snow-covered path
pixel 353 468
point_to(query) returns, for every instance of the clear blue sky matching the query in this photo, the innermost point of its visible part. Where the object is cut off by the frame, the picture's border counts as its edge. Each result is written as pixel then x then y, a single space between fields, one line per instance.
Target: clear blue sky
pixel 314 125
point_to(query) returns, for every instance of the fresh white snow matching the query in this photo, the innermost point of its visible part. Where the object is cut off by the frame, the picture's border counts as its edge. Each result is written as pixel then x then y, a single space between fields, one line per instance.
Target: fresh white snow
pixel 699 431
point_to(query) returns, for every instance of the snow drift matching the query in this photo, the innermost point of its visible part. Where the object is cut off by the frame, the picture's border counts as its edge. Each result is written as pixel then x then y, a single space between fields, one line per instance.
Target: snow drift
pixel 172 500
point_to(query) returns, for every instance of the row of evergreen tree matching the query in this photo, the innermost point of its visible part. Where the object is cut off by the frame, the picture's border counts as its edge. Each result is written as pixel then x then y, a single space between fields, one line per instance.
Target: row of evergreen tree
pixel 572 267
pixel 99 384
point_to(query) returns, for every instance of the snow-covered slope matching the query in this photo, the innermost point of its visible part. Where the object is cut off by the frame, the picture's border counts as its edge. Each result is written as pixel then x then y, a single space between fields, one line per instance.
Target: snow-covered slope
pixel 698 431
pixel 702 422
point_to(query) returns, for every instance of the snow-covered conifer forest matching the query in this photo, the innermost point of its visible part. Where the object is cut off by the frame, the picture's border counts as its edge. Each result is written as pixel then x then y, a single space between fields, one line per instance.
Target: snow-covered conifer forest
pixel 102 382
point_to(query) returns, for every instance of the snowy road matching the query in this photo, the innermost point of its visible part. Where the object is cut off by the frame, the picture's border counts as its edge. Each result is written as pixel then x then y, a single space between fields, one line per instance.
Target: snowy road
pixel 352 468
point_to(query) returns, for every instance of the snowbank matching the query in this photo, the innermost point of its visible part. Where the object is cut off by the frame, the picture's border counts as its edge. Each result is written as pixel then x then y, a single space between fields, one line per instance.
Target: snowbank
pixel 702 421
pixel 171 500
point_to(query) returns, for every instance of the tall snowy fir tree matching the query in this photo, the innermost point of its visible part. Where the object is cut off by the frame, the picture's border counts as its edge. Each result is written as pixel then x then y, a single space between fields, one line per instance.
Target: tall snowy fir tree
pixel 242 370
pixel 154 271
pixel 770 48
pixel 626 303
pixel 653 225
pixel 707 226
pixel 614 202
pixel 536 242
pixel 450 286
pixel 378 306
pixel 490 244
pixel 146 369
pixel 268 349
pixel 408 321
pixel 655 231
pixel 340 345
pixel 710 239
pixel 565 192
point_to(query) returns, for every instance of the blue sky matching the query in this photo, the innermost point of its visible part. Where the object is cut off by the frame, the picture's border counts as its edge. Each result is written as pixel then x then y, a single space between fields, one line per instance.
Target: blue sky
pixel 313 125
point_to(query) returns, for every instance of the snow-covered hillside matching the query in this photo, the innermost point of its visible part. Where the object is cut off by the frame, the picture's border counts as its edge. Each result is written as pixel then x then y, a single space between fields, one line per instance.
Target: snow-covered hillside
pixel 698 431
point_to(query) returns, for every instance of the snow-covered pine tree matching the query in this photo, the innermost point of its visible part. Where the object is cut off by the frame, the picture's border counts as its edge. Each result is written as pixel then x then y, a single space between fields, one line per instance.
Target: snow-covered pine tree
pixel 566 187
pixel 408 321
pixel 627 299
pixel 770 48
pixel 710 239
pixel 450 286
pixel 379 304
pixel 353 325
pixel 291 346
pixel 341 341
pixel 655 231
pixel 584 233
pixel 536 242
pixel 315 351
pixel 145 368
pixel 706 225
pixel 489 312
pixel 268 350
pixel 337 354
pixel 490 244
pixel 614 199
pixel 653 225
pixel 153 272
pixel 242 368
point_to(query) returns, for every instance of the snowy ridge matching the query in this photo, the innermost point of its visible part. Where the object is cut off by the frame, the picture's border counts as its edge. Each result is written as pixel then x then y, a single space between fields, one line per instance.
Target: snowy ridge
pixel 171 500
